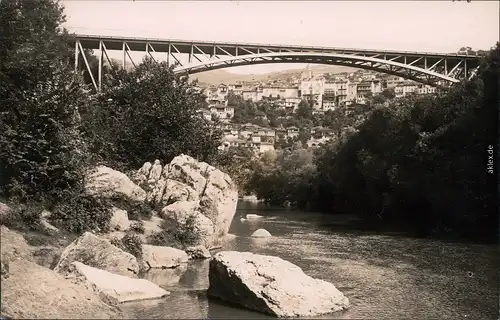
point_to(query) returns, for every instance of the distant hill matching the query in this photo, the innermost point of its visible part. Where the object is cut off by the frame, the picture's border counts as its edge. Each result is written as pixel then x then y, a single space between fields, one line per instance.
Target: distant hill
pixel 223 76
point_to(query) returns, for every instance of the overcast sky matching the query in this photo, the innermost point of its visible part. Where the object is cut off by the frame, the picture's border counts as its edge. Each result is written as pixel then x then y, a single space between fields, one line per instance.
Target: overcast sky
pixel 437 26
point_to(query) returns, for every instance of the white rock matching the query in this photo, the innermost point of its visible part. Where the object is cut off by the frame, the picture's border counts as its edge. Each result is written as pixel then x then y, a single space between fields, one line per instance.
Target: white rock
pixel 145 169
pixel 114 288
pixel 180 211
pixel 187 170
pixel 100 253
pixel 178 191
pixel 198 252
pixel 45 214
pixel 162 257
pixel 113 184
pixel 253 216
pixel 218 202
pixel 119 220
pixel 271 285
pixel 47 227
pixel 156 170
pixel 261 233
pixel 156 195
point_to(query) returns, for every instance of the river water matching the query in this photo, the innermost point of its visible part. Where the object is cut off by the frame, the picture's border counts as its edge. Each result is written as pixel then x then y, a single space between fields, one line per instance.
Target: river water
pixel 384 276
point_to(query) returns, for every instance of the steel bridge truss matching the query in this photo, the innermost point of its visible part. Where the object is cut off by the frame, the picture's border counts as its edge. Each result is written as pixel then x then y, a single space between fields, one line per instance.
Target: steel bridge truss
pixel 429 68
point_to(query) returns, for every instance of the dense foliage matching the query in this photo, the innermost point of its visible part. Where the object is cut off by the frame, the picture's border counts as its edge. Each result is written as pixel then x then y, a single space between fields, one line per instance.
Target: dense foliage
pixel 41 149
pixel 147 114
pixel 420 161
pixel 177 234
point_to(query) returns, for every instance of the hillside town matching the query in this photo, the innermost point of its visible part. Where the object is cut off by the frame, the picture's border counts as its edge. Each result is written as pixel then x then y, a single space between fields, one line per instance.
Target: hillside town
pixel 324 92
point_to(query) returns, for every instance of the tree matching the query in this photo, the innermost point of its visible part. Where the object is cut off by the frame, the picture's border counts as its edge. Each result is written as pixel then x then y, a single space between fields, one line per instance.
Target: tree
pixel 304 110
pixel 389 93
pixel 42 155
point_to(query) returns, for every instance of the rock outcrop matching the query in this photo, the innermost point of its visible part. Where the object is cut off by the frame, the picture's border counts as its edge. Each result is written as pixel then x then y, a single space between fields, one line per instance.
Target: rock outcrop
pixel 186 187
pixel 271 285
pixel 35 292
pixel 99 253
pixel 162 257
pixel 106 182
pixel 261 233
pixel 113 288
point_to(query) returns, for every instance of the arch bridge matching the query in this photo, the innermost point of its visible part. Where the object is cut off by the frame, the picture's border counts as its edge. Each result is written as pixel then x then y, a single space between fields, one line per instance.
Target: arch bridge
pixel 436 69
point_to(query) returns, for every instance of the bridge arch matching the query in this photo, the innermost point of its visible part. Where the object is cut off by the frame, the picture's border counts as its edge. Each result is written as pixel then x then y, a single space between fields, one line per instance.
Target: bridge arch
pixel 412 72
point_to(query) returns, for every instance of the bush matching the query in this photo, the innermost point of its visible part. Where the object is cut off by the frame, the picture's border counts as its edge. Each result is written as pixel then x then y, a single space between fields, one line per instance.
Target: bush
pixel 132 243
pixel 138 211
pixel 137 226
pixel 24 216
pixel 177 235
pixel 82 213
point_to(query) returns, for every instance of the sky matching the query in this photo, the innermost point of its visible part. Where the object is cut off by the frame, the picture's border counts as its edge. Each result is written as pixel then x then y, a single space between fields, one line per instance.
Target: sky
pixel 432 26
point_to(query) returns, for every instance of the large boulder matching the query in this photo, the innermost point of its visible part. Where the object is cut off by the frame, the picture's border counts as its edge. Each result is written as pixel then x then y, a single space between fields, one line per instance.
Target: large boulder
pixel 271 285
pixel 104 181
pixel 99 253
pixel 114 288
pixel 187 187
pixel 35 292
pixel 162 257
pixel 14 246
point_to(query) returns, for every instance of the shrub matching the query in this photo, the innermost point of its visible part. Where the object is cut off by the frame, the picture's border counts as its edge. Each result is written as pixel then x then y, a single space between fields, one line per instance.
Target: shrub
pixel 82 213
pixel 139 211
pixel 137 226
pixel 132 243
pixel 24 216
pixel 177 235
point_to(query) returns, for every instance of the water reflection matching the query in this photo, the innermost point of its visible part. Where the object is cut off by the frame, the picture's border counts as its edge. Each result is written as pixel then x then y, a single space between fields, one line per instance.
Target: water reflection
pixel 384 276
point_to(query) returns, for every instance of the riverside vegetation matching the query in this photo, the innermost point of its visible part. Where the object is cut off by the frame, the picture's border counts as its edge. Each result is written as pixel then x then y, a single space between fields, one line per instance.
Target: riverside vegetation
pixel 416 163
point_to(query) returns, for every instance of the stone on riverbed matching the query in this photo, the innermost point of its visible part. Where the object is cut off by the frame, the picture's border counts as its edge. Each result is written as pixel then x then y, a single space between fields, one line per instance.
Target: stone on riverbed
pixel 261 233
pixel 253 216
pixel 271 285
pixel 113 288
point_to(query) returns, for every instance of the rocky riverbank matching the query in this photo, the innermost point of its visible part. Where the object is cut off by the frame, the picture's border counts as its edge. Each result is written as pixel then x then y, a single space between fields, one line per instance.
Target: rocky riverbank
pixel 97 271
pixel 91 274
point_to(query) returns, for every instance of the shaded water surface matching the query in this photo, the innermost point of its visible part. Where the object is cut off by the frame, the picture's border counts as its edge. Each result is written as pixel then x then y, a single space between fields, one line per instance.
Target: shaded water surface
pixel 384 276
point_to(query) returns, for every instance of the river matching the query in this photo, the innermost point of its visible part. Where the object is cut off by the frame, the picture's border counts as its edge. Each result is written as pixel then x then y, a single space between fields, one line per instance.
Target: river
pixel 384 276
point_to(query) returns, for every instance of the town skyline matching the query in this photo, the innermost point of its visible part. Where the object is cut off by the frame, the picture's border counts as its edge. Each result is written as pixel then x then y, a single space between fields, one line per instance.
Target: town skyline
pixel 441 26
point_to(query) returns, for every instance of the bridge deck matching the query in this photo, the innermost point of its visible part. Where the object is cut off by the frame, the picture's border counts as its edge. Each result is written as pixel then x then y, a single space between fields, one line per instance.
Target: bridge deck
pixel 183 46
